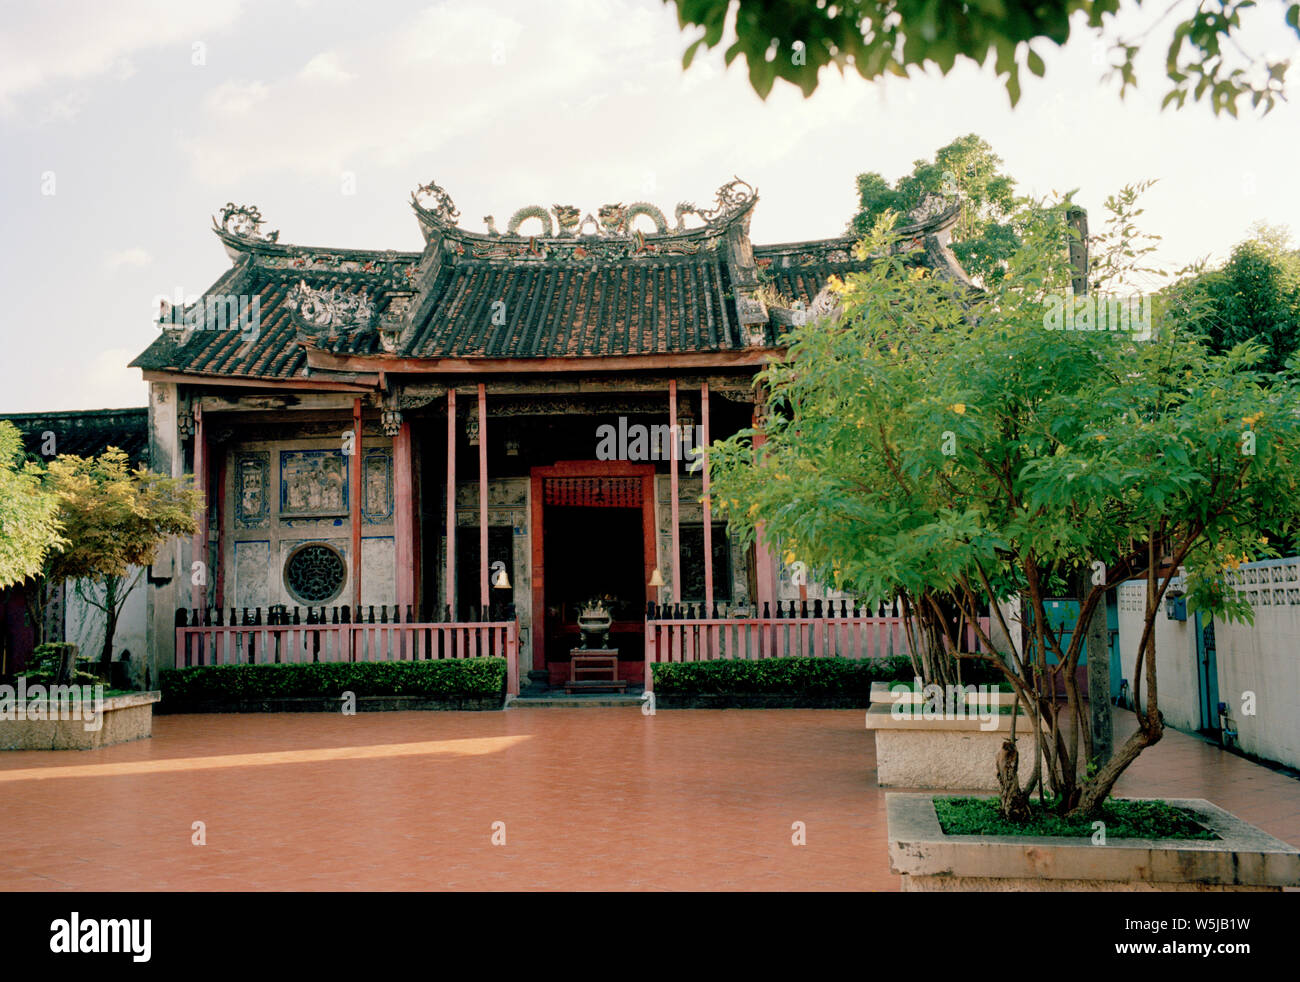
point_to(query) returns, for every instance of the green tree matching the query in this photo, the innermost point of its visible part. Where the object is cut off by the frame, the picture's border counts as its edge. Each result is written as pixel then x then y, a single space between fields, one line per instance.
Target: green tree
pixel 29 524
pixel 795 39
pixel 967 169
pixel 965 446
pixel 1255 295
pixel 114 518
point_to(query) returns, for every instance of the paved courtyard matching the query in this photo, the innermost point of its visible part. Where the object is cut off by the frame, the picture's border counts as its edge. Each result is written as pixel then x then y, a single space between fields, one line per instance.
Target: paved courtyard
pixel 591 799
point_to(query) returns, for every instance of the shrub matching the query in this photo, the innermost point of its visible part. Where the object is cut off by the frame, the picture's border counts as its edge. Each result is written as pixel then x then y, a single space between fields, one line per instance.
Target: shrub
pixel 444 678
pixel 56 661
pixel 777 676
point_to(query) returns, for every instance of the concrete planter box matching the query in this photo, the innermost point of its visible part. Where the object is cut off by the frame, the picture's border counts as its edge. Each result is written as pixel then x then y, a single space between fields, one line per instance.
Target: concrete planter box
pixel 947 753
pixel 124 718
pixel 882 692
pixel 1243 858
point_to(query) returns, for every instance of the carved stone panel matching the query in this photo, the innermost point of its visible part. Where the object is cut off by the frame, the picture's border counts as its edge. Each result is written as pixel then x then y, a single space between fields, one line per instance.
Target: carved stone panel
pixel 378 565
pixel 313 482
pixel 377 486
pixel 252 489
pixel 252 566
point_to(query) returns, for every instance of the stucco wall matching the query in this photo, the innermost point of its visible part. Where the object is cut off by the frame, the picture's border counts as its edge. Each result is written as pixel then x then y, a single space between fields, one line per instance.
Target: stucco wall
pixel 269 515
pixel 85 623
pixel 1178 688
pixel 1264 660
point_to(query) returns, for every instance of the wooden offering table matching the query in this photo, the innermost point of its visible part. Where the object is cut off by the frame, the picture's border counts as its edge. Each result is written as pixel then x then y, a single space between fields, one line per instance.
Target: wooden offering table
pixel 593 661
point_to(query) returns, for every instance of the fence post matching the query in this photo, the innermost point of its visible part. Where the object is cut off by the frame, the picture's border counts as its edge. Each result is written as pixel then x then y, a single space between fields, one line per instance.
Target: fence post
pixel 512 659
pixel 651 654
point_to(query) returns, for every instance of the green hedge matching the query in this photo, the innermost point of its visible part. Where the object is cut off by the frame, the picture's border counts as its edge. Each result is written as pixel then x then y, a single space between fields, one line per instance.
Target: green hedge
pixel 778 676
pixel 458 678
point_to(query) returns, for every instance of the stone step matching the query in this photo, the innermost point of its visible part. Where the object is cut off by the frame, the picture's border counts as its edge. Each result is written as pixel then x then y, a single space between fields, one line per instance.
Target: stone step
pixel 559 700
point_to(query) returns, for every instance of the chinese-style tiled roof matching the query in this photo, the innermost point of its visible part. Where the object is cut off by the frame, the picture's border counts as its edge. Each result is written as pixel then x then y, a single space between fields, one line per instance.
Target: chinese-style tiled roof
pixel 799 271
pixel 579 310
pixel 223 345
pixel 595 287
pixel 86 433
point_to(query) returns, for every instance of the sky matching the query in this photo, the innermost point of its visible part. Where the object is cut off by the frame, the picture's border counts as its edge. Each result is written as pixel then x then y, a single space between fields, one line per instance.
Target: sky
pixel 126 124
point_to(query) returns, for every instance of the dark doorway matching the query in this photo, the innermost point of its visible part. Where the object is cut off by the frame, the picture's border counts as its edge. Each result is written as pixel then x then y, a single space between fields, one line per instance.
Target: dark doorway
pixel 594 552
pixel 501 549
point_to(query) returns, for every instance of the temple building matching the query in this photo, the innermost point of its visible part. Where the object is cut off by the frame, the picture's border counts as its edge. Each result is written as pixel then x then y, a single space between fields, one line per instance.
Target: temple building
pixel 479 435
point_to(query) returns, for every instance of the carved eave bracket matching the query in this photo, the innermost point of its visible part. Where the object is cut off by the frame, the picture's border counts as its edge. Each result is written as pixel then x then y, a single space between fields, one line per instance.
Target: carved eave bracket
pixel 391 419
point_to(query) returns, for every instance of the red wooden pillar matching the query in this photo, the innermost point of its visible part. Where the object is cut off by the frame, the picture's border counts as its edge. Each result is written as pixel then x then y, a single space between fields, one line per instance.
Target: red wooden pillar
pixel 674 450
pixel 404 520
pixel 708 511
pixel 762 557
pixel 450 574
pixel 537 486
pixel 482 504
pixel 218 491
pixel 355 503
pixel 199 583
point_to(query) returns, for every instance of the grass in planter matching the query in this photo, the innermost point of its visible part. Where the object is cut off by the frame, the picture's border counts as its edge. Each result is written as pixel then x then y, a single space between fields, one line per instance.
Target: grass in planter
pixel 1124 820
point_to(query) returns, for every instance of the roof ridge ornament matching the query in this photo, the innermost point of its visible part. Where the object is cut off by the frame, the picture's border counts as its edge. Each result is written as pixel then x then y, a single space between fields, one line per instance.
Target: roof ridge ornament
pixel 243 221
pixel 328 313
pixel 444 208
pixel 618 221
pixel 930 206
pixel 527 212
pixel 733 197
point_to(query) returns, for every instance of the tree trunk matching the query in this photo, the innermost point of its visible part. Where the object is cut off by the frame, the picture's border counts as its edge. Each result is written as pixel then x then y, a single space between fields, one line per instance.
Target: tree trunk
pixel 1150 723
pixel 1013 802
pixel 110 620
pixel 35 599
pixel 66 668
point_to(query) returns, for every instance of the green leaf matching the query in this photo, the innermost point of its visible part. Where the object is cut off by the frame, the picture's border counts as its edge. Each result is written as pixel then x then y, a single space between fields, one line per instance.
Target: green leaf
pixel 690 53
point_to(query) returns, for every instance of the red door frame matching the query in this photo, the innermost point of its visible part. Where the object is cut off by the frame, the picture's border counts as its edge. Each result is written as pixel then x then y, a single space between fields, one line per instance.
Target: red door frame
pixel 585 468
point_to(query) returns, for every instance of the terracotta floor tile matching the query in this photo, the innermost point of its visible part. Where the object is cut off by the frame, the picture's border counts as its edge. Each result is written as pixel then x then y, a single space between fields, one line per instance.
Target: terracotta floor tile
pixel 591 800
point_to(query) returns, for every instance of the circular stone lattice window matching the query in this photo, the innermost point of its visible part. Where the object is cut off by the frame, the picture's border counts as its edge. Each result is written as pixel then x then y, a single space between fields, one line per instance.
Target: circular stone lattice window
pixel 315 573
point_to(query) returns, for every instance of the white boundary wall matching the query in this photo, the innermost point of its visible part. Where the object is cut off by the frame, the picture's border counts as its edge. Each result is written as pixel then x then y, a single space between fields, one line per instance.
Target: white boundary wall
pixel 1264 659
pixel 1257 663
pixel 1178 689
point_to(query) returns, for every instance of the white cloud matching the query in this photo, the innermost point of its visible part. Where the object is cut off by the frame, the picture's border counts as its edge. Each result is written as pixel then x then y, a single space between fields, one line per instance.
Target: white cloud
pixel 236 98
pixel 127 257
pixel 595 87
pixel 458 36
pixel 46 42
pixel 65 108
pixel 325 67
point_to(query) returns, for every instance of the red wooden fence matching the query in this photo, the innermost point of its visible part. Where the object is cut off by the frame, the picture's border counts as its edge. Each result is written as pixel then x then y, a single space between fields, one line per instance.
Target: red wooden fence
pixel 267 644
pixel 709 639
